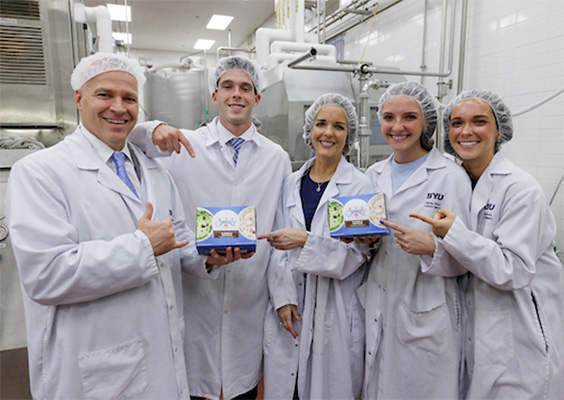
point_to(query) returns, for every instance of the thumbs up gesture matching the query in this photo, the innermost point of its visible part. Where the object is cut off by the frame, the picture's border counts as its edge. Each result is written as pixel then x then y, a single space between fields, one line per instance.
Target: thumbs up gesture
pixel 160 233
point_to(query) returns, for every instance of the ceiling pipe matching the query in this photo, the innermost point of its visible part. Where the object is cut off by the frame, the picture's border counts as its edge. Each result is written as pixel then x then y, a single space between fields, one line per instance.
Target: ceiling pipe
pixel 462 51
pixel 101 17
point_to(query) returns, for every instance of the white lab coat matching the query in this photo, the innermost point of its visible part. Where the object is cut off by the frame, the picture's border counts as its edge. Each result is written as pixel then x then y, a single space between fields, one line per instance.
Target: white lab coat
pixel 514 337
pixel 413 320
pixel 225 317
pixel 327 356
pixel 103 315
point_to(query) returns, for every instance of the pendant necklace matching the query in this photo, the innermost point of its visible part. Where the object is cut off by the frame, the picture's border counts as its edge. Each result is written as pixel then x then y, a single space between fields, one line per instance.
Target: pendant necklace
pixel 319 186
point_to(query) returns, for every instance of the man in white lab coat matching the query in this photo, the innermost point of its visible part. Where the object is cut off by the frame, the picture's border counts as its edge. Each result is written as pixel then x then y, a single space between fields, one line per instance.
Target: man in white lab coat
pixel 225 317
pixel 99 237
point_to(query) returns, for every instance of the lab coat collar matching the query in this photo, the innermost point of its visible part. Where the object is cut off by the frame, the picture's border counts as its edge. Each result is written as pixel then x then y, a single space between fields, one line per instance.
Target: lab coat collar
pixel 217 133
pixel 499 165
pixel 435 160
pixel 86 158
pixel 343 175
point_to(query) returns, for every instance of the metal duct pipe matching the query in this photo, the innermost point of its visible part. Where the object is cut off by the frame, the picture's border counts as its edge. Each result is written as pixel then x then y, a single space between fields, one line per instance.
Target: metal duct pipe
pixel 306 56
pixel 364 131
pixel 462 51
pixel 423 67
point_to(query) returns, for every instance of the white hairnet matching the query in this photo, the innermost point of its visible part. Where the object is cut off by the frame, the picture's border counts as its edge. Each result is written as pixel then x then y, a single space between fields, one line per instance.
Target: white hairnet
pixel 96 64
pixel 502 114
pixel 331 99
pixel 235 63
pixel 426 101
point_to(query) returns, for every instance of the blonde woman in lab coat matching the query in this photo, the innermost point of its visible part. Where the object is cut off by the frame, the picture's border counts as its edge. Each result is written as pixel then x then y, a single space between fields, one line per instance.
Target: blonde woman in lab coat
pixel 413 320
pixel 313 333
pixel 514 334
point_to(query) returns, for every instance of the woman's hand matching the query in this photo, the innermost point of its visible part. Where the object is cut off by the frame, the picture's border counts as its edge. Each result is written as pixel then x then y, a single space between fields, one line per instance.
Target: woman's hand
pixel 441 222
pixel 413 241
pixel 285 315
pixel 286 238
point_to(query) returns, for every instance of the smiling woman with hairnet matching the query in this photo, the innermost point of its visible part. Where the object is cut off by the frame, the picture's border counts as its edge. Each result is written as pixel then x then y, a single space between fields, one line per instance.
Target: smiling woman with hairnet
pixel 318 355
pixel 413 320
pixel 514 296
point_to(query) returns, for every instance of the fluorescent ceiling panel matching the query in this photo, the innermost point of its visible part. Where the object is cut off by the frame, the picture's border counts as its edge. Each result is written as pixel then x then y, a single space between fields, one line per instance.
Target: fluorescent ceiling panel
pixel 219 22
pixel 204 44
pixel 119 13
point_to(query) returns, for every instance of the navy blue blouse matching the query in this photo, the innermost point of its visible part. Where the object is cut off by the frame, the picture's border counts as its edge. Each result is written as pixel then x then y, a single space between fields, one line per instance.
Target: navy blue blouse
pixel 310 193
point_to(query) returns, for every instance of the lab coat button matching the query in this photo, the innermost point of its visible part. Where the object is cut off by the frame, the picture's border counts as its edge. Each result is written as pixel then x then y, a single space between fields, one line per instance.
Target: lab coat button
pixel 375 319
pixel 296 345
pixel 469 339
pixel 292 374
pixel 171 307
pixel 175 349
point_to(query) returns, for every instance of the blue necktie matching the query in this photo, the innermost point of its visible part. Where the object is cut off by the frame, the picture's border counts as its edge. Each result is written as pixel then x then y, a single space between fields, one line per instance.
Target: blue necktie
pixel 118 159
pixel 236 143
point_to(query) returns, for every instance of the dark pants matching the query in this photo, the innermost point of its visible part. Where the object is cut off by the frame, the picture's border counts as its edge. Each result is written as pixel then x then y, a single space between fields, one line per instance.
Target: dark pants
pixel 250 395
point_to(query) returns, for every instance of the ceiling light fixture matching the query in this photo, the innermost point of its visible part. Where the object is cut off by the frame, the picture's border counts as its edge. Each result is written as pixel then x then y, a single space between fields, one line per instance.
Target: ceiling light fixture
pixel 119 13
pixel 204 44
pixel 219 22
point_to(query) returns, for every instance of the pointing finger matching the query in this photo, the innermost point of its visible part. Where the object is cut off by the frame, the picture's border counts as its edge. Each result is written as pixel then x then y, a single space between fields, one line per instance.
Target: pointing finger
pixel 423 218
pixel 186 143
pixel 394 226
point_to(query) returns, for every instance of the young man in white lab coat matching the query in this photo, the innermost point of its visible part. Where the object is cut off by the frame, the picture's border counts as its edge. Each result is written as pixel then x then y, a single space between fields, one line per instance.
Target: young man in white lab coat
pixel 224 317
pixel 99 245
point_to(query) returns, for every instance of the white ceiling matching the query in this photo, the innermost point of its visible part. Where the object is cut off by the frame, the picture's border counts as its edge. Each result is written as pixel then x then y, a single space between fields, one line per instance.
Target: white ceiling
pixel 175 25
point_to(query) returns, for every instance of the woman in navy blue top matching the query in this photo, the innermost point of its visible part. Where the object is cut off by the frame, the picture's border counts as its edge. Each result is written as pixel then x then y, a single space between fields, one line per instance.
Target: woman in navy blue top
pixel 313 332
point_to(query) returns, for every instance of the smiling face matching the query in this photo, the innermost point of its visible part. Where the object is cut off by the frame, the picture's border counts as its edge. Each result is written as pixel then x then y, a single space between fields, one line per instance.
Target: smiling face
pixel 329 133
pixel 235 97
pixel 473 133
pixel 402 127
pixel 108 103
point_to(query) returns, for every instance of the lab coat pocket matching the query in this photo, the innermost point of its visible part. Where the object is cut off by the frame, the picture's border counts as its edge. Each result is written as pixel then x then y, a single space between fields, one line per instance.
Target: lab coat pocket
pixel 114 373
pixel 426 330
pixel 493 338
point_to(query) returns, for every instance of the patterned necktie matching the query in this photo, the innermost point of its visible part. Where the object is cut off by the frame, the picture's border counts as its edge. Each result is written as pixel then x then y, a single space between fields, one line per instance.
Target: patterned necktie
pixel 118 159
pixel 236 143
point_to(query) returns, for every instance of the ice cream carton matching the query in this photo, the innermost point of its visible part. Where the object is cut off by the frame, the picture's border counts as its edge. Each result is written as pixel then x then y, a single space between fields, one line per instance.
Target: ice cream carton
pixel 357 215
pixel 222 227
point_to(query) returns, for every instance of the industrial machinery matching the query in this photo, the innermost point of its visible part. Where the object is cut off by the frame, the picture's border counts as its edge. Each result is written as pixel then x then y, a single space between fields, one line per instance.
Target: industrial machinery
pixel 40 45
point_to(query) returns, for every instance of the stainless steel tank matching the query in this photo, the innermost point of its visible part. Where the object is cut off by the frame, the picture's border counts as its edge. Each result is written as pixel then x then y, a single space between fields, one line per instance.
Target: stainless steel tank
pixel 177 95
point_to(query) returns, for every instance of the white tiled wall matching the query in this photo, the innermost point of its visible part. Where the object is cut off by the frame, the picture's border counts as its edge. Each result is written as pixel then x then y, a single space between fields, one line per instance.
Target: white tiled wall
pixel 514 47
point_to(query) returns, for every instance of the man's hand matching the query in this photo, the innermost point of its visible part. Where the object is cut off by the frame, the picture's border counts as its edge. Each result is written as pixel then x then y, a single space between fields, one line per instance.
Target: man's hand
pixel 171 139
pixel 286 238
pixel 413 241
pixel 160 233
pixel 441 222
pixel 231 254
pixel 285 315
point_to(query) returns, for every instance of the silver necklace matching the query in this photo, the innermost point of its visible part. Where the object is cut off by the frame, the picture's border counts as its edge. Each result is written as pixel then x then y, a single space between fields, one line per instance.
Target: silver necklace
pixel 319 186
